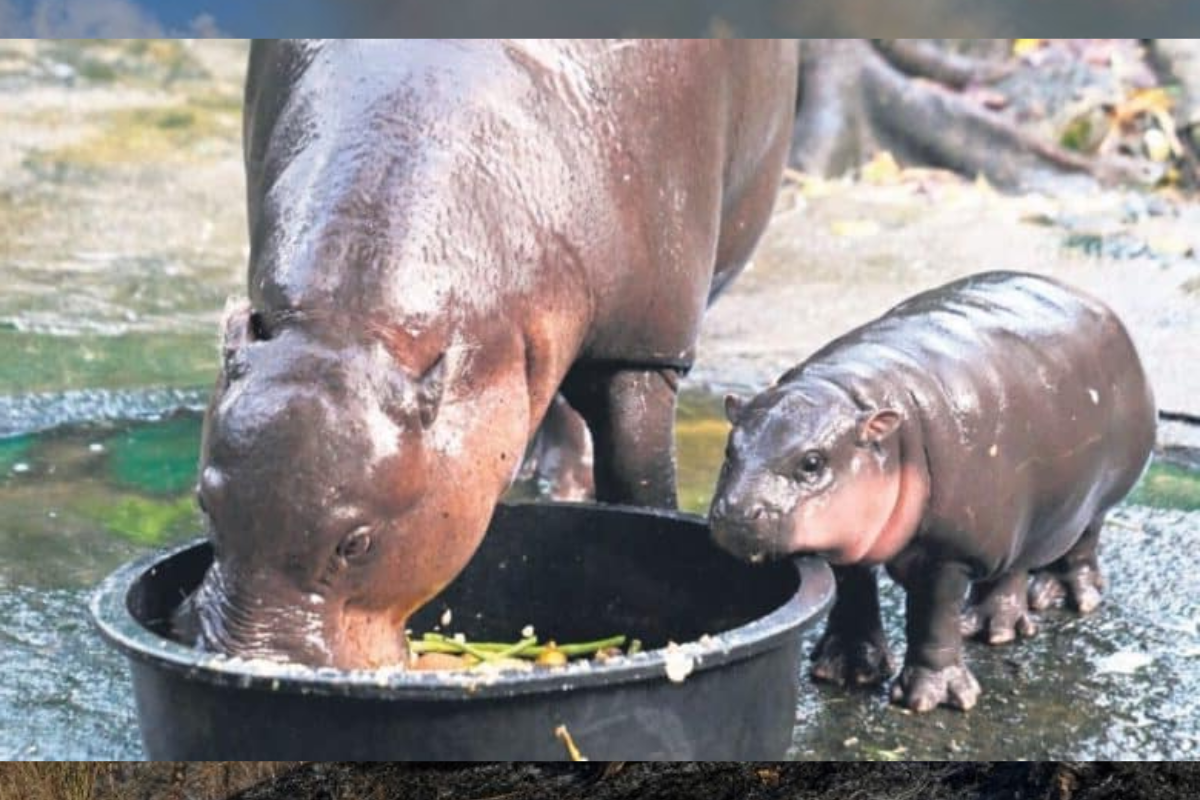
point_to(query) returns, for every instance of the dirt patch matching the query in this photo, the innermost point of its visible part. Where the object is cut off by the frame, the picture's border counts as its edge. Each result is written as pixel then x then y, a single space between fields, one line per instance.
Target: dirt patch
pixel 165 780
pixel 746 781
pixel 839 253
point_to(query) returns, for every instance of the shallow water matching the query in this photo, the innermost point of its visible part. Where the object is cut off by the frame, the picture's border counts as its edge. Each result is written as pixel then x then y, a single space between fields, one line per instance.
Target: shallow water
pixel 81 498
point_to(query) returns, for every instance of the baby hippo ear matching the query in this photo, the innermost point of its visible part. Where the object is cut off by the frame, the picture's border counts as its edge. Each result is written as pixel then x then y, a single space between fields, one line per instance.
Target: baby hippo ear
pixel 733 407
pixel 430 388
pixel 876 426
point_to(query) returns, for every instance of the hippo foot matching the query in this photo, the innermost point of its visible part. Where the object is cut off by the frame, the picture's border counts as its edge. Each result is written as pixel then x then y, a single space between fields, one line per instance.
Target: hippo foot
pixel 999 613
pixel 852 661
pixel 1079 586
pixel 923 689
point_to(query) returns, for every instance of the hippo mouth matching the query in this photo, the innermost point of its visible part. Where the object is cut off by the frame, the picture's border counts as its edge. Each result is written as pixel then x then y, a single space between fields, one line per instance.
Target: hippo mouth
pixel 753 543
pixel 215 620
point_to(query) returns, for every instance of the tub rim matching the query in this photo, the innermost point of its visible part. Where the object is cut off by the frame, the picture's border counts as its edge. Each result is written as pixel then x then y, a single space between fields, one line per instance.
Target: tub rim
pixel 109 610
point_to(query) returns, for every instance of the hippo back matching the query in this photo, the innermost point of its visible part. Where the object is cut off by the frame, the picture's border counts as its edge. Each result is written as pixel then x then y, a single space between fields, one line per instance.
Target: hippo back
pixel 1034 410
pixel 595 194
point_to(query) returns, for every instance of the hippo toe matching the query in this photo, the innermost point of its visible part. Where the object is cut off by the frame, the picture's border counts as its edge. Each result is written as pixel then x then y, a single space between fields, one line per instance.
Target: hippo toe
pixel 924 688
pixel 1075 578
pixel 858 661
pixel 998 611
pixel 1080 588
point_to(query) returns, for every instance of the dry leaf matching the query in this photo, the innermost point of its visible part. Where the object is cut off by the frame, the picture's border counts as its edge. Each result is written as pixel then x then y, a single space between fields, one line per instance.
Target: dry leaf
pixel 1023 47
pixel 854 228
pixel 882 168
pixel 768 776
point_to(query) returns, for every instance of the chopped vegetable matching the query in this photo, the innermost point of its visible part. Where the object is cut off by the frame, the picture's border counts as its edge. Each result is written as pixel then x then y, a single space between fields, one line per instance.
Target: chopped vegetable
pixel 552 657
pixel 503 654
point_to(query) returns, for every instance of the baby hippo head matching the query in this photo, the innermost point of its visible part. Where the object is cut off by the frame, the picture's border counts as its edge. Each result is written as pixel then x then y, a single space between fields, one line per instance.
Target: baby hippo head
pixel 807 471
pixel 321 494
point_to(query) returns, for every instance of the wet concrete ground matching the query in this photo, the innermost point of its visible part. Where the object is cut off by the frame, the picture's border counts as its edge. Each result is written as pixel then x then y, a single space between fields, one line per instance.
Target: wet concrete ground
pixel 117 252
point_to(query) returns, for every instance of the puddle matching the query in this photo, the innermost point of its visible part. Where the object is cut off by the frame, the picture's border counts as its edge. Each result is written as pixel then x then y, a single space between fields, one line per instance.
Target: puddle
pixel 80 499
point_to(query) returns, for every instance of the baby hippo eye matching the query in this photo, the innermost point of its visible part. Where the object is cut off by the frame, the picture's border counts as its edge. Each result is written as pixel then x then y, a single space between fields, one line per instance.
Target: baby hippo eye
pixel 356 544
pixel 811 465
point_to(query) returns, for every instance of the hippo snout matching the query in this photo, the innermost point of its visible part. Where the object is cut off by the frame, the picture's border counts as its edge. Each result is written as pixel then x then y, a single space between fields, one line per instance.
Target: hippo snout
pixel 747 531
pixel 754 512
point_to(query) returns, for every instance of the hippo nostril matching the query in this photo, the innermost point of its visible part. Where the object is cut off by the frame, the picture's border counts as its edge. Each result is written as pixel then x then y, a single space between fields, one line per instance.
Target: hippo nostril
pixel 756 513
pixel 720 508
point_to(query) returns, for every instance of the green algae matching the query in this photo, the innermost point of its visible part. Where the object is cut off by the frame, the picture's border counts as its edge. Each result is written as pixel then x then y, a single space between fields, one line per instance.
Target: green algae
pixel 1168 486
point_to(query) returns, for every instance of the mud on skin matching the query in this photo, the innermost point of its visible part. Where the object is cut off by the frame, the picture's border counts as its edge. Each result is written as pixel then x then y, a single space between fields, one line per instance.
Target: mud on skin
pixel 968 439
pixel 444 236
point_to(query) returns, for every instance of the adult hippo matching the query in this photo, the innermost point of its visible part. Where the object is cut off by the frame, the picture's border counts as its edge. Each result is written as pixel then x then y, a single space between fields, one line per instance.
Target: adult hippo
pixel 444 234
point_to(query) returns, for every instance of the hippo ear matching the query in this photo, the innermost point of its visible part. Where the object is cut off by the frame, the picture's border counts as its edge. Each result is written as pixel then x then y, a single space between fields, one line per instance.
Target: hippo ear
pixel 430 388
pixel 876 426
pixel 235 332
pixel 733 407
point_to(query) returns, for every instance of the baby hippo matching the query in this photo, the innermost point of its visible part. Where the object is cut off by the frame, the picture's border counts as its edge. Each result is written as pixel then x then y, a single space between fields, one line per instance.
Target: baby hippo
pixel 973 435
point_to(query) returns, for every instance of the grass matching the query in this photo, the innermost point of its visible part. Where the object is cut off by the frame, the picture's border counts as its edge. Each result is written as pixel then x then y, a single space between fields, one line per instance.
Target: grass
pixel 148 61
pixel 1168 486
pixel 100 780
pixel 137 135
pixel 18 214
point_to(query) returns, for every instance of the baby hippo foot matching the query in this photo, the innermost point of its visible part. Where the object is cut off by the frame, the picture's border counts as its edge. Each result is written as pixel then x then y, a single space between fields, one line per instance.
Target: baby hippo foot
pixel 852 660
pixel 1079 585
pixel 998 611
pixel 923 689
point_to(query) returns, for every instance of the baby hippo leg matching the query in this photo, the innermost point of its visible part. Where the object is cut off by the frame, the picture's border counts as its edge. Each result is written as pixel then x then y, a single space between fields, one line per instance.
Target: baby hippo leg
pixel 998 611
pixel 1075 577
pixel 934 673
pixel 853 650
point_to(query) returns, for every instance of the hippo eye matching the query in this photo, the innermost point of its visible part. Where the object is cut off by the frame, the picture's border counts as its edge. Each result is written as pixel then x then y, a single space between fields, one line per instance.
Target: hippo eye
pixel 356 544
pixel 811 465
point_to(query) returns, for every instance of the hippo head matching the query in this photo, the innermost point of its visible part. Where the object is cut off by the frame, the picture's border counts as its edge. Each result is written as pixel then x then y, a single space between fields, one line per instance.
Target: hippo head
pixel 807 471
pixel 325 491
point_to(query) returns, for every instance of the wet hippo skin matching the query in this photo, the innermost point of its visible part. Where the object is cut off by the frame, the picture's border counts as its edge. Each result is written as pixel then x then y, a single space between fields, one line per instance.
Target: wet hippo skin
pixel 444 235
pixel 971 436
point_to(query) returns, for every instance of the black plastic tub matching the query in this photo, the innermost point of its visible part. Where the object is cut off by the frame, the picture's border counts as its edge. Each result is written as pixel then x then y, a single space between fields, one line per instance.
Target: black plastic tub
pixel 575 572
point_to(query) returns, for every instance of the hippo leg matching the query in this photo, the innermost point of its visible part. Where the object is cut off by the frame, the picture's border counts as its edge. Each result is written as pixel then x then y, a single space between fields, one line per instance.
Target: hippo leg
pixel 560 457
pixel 1075 577
pixel 853 651
pixel 934 673
pixel 631 414
pixel 998 611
